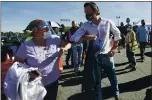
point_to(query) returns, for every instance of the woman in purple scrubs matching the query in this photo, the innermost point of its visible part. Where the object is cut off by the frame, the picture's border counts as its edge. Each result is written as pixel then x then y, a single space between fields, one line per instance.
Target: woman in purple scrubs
pixel 43 52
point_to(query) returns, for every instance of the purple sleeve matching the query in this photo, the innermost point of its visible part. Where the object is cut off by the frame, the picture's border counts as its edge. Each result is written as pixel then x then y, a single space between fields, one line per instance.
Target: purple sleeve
pixel 21 52
pixel 56 39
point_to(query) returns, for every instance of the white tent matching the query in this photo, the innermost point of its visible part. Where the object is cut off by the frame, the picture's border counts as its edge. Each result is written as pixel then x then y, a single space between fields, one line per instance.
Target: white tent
pixel 54 24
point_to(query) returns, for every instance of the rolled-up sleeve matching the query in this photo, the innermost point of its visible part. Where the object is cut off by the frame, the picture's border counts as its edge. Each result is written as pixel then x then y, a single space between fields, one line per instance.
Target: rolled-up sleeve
pixel 78 34
pixel 115 31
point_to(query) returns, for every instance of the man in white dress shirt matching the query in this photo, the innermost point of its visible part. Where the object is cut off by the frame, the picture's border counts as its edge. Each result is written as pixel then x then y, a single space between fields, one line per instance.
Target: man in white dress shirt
pixel 99 32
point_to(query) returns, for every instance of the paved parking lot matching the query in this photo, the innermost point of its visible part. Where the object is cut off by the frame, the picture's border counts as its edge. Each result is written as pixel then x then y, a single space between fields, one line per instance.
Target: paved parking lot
pixel 132 84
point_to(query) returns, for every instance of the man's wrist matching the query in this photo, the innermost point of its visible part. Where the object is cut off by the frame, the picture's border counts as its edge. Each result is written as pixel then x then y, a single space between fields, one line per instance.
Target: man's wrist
pixel 114 45
pixel 61 51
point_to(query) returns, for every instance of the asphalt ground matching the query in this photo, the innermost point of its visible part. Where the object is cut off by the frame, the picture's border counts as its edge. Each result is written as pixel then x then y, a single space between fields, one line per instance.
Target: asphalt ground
pixel 133 85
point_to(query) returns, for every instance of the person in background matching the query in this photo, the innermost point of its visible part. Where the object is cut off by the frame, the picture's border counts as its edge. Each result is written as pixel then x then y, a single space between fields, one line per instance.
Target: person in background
pixel 128 22
pixel 122 30
pixel 142 38
pixel 85 45
pixel 150 37
pixel 67 36
pixel 99 36
pixel 43 52
pixel 76 49
pixel 127 25
pixel 131 46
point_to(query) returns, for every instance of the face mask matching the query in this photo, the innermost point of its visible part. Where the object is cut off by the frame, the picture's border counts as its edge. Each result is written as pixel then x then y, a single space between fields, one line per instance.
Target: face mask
pixel 89 17
pixel 47 34
pixel 143 23
pixel 128 29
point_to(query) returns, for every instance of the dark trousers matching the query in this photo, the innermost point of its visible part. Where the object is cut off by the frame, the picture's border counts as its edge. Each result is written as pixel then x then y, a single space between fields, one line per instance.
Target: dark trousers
pixel 123 42
pixel 84 51
pixel 88 79
pixel 130 56
pixel 52 90
pixel 68 57
pixel 107 63
pixel 142 49
pixel 92 74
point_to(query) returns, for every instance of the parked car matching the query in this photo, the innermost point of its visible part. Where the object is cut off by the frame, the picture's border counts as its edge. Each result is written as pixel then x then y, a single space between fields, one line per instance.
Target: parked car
pixel 10 46
pixel 4 39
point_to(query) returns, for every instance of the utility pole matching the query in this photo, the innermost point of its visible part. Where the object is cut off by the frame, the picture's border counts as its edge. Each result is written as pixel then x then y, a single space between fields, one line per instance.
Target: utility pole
pixel 118 17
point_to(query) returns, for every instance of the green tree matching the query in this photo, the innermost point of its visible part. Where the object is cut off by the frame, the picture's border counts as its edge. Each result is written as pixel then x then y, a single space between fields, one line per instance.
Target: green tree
pixel 66 28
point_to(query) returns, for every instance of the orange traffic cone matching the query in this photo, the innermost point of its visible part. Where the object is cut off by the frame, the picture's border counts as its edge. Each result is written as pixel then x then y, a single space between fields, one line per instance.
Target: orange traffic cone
pixel 7 58
pixel 60 64
pixel 113 46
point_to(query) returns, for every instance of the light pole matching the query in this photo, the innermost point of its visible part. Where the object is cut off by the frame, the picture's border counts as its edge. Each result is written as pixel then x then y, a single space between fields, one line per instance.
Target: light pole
pixel 118 17
pixel 64 20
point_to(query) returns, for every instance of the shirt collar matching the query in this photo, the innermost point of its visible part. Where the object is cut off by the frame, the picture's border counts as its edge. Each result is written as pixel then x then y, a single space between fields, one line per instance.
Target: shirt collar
pixel 90 22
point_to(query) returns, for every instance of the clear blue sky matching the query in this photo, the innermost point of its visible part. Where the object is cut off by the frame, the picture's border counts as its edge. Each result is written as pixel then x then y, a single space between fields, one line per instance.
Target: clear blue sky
pixel 17 15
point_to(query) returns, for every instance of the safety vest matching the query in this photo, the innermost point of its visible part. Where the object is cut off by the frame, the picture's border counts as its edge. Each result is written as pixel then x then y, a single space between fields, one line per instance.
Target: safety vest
pixel 132 44
pixel 28 38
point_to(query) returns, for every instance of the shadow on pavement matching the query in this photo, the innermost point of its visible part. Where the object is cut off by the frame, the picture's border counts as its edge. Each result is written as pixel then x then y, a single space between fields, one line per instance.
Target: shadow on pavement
pixel 72 81
pixel 79 96
pixel 148 54
pixel 124 72
pixel 148 94
pixel 134 85
pixel 71 71
pixel 121 64
pixel 65 67
pixel 118 72
pixel 137 54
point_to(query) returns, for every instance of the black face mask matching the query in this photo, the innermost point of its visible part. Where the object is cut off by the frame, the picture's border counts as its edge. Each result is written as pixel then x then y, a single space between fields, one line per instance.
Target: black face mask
pixel 143 23
pixel 89 17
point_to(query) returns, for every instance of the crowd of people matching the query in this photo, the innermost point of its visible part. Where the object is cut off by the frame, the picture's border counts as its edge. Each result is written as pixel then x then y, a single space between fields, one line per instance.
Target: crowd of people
pixel 93 44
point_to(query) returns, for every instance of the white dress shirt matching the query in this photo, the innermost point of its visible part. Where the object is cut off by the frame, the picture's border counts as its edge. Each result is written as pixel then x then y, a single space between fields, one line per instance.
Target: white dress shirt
pixel 102 31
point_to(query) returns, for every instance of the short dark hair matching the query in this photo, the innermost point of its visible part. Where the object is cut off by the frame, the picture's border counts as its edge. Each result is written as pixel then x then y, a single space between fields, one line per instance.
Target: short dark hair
pixel 142 20
pixel 93 6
